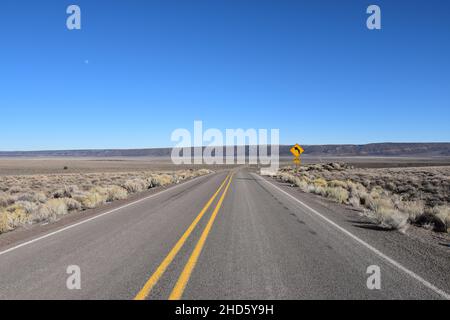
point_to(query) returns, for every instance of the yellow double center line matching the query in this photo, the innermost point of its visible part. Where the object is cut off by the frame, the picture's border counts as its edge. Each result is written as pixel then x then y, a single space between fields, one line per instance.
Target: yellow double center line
pixel 178 290
pixel 189 267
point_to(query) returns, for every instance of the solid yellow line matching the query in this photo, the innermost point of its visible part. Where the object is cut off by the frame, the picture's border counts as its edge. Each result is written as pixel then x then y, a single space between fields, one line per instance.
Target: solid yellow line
pixel 178 290
pixel 145 291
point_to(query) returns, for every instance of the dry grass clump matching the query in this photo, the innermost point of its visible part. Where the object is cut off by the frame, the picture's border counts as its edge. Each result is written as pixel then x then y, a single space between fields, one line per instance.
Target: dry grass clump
pixel 320 182
pixel 136 185
pixel 338 194
pixel 163 180
pixel 51 210
pixel 392 219
pixel 114 192
pixel 36 198
pixel 17 215
pixel 414 209
pixel 441 215
pixel 93 198
pixel 394 198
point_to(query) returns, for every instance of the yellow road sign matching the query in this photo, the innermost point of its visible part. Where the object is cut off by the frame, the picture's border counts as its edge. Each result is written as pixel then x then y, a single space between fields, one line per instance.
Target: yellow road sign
pixel 297 161
pixel 297 150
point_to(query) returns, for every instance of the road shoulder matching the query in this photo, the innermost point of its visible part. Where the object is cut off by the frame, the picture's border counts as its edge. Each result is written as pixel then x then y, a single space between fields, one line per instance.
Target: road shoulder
pixel 424 252
pixel 30 232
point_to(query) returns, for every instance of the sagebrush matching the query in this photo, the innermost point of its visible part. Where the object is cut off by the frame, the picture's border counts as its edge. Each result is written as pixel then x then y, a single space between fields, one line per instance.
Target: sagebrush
pixel 394 197
pixel 27 199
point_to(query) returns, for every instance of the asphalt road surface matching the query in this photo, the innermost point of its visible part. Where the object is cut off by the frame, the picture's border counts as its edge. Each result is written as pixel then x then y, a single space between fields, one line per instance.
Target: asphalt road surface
pixel 229 235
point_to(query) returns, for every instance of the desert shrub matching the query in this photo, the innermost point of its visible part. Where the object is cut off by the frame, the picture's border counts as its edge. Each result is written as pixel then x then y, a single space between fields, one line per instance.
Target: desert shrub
pixel 93 199
pixel 72 204
pixel 135 185
pixel 366 200
pixel 358 194
pixel 71 189
pixel 392 219
pixel 100 190
pixel 32 197
pixel 28 206
pixel 302 184
pixel 319 190
pixel 337 194
pixel 202 172
pixel 442 214
pixel 311 188
pixel 289 178
pixel 380 204
pixel 17 215
pixel 307 178
pixel 390 186
pixel 39 197
pixel 162 180
pixel 65 192
pixel 377 192
pixel 60 193
pixel 42 214
pixel 57 206
pixel 420 194
pixel 356 188
pixel 116 193
pixel 51 210
pixel 354 201
pixel 6 199
pixel 284 177
pixel 366 183
pixel 320 182
pixel 338 183
pixel 385 212
pixel 414 209
pixel 80 195
pixel 24 199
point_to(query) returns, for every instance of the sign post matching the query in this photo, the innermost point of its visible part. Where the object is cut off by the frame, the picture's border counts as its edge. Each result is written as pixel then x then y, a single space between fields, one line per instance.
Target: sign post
pixel 297 151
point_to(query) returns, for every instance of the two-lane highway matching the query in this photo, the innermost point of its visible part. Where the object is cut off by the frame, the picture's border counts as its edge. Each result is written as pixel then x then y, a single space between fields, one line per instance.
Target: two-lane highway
pixel 230 235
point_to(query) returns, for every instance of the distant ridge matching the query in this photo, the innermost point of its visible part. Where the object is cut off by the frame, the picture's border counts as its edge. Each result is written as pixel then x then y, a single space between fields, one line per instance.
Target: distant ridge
pixel 373 149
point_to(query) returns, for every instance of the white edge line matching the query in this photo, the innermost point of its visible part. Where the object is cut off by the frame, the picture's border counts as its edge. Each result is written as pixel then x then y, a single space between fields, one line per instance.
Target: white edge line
pixel 368 246
pixel 98 216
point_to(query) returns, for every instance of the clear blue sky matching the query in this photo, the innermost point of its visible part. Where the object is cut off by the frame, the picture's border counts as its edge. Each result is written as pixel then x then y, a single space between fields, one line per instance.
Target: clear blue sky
pixel 140 69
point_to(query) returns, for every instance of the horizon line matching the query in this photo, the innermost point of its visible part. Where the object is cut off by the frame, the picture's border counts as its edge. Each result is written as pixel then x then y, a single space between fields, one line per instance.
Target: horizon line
pixel 218 146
